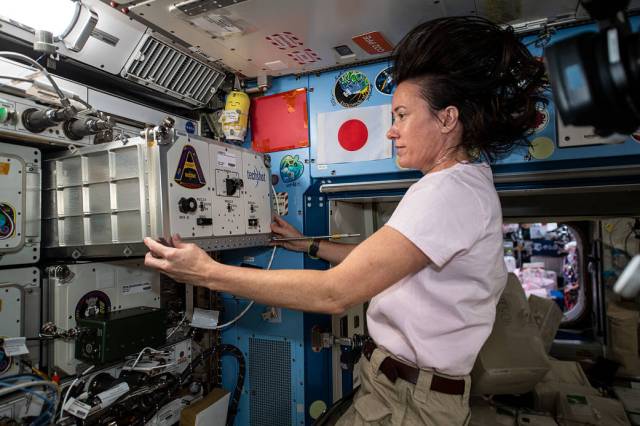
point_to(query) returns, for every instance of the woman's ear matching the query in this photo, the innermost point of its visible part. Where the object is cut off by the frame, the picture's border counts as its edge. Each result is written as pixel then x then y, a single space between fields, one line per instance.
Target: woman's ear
pixel 448 118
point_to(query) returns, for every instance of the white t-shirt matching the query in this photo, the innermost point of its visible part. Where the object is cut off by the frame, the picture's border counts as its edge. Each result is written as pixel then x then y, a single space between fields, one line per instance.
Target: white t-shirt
pixel 440 317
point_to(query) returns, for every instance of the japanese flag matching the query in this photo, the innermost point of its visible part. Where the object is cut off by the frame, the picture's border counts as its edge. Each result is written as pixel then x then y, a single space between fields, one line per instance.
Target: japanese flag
pixel 355 134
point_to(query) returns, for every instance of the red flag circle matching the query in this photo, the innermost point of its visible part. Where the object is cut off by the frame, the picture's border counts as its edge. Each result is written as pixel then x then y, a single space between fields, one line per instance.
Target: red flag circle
pixel 353 135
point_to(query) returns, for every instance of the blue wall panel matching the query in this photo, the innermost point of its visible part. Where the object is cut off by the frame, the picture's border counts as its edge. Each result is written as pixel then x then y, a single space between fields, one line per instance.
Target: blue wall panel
pixel 310 371
pixel 252 325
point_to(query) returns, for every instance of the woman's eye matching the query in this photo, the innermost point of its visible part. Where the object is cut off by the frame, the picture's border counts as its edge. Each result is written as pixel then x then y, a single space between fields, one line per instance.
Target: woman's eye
pixel 397 116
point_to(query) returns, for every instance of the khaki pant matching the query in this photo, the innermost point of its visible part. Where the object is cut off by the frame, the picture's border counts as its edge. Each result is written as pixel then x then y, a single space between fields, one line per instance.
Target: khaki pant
pixel 381 402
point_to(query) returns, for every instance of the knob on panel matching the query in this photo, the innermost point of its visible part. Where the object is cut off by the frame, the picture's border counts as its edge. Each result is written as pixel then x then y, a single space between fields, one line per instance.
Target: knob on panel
pixel 187 205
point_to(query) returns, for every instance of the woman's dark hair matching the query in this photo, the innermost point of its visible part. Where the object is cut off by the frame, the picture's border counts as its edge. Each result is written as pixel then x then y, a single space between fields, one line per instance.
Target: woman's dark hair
pixel 484 71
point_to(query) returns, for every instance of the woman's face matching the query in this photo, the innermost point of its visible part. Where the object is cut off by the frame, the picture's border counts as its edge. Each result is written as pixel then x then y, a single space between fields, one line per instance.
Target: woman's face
pixel 417 132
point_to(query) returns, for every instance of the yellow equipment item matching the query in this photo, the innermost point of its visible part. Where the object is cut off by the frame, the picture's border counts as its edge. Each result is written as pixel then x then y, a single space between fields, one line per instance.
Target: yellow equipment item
pixel 235 116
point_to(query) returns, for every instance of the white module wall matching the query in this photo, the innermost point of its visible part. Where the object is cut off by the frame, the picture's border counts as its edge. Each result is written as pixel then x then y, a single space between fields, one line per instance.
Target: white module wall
pixel 19 312
pixel 85 289
pixel 19 204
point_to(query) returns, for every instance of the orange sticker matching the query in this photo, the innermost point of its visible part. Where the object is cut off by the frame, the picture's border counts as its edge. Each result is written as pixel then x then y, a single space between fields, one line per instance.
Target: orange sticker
pixel 4 168
pixel 373 43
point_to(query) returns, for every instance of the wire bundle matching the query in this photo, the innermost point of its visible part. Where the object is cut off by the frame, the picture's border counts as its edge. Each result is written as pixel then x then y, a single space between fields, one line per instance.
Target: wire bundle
pixel 23 383
pixel 237 392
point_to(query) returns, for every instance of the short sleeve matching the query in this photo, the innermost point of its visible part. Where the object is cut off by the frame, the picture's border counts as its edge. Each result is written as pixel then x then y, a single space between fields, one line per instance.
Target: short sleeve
pixel 442 217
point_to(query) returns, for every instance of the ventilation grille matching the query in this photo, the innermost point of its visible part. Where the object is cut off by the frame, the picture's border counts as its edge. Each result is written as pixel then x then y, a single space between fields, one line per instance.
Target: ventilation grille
pixel 270 381
pixel 164 68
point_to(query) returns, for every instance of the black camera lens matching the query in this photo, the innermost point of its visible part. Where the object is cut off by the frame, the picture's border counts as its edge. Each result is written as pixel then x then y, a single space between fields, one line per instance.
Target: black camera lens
pixel 595 80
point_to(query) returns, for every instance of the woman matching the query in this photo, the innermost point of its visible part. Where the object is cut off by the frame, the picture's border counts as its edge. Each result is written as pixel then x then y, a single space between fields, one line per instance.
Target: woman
pixel 435 271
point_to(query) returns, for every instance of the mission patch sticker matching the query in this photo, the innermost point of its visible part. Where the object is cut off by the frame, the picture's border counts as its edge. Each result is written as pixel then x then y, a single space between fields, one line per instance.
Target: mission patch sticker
pixel 189 173
pixel 351 89
pixel 385 82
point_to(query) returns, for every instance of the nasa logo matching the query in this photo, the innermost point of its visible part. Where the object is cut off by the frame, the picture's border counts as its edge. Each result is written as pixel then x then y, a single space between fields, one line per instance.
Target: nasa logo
pixel 190 127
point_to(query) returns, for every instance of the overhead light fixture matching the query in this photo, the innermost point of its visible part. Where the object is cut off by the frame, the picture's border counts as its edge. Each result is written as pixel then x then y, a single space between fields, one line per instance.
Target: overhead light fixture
pixel 68 21
pixel 55 16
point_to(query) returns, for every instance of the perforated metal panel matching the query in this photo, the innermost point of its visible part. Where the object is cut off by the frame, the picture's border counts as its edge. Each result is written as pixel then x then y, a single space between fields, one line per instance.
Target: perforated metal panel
pixel 161 66
pixel 270 382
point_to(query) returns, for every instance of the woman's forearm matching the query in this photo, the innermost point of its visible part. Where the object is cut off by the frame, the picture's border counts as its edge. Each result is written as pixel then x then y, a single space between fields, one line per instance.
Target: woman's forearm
pixel 334 253
pixel 307 290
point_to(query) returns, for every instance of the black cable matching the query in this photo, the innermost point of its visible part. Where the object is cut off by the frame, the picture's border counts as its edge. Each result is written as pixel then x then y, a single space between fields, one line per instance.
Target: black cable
pixel 237 392
pixel 45 338
pixel 335 411
pixel 136 407
pixel 147 405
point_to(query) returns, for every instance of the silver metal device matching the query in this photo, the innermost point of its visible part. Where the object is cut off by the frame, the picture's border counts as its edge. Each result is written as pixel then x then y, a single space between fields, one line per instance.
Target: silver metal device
pixel 77 34
pixel 81 290
pixel 19 204
pixel 24 89
pixel 102 37
pixel 19 313
pixel 30 121
pixel 43 42
pixel 104 200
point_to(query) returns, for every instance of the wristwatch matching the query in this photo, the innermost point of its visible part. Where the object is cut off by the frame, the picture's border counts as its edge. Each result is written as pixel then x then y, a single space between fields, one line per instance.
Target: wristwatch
pixel 312 251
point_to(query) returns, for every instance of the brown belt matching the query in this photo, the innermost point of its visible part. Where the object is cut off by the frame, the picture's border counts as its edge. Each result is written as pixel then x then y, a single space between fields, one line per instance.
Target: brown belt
pixel 394 369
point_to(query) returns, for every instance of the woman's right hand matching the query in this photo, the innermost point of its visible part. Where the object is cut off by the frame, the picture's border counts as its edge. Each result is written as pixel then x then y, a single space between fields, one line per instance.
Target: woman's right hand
pixel 280 228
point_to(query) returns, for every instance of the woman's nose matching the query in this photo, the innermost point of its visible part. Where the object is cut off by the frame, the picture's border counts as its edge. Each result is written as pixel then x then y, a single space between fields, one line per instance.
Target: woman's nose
pixel 392 133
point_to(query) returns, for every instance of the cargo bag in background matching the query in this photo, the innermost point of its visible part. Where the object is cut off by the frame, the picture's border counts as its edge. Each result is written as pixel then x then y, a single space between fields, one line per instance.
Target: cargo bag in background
pixel 513 359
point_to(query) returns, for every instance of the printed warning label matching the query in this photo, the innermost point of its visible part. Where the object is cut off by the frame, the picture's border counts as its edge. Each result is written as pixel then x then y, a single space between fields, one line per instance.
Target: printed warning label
pixel 189 173
pixel 136 288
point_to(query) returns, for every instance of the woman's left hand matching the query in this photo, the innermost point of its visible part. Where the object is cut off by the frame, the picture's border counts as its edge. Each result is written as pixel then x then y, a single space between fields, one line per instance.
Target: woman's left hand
pixel 184 262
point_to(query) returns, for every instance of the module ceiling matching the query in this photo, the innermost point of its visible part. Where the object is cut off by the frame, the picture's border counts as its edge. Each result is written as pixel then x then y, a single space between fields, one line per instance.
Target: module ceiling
pixel 278 37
